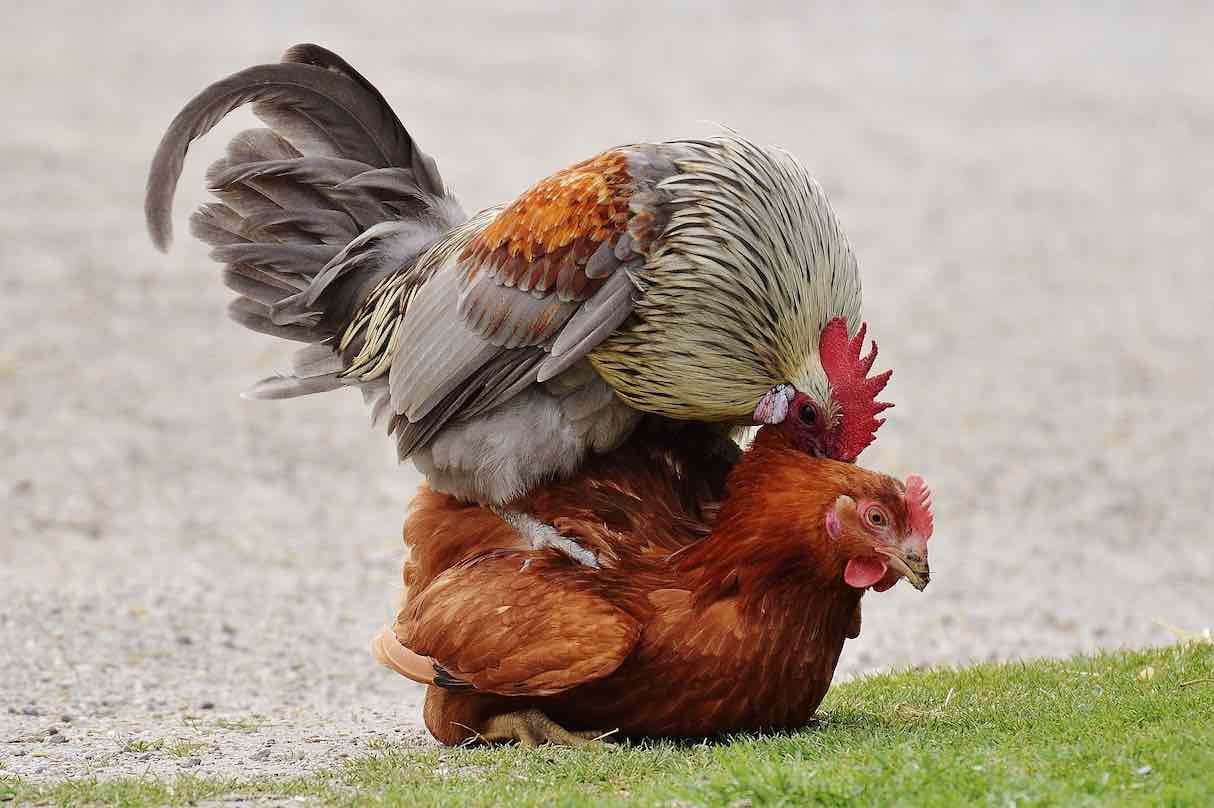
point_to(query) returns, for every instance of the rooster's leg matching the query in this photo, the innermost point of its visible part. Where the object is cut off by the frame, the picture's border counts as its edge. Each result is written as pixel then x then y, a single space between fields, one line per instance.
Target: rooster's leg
pixel 540 535
pixel 532 728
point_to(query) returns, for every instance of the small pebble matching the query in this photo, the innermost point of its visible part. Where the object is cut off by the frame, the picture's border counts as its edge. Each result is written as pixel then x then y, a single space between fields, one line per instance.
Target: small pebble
pixel 207 705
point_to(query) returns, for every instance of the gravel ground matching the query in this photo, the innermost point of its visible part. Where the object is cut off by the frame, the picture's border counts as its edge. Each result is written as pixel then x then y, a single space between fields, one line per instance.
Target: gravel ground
pixel 188 582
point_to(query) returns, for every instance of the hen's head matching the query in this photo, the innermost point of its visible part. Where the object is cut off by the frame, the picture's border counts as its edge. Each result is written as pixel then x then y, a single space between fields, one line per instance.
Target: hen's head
pixel 878 533
pixel 836 416
pixel 787 516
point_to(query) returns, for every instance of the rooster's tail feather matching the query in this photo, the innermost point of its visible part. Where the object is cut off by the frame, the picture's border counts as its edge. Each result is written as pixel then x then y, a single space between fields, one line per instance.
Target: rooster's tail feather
pixel 313 211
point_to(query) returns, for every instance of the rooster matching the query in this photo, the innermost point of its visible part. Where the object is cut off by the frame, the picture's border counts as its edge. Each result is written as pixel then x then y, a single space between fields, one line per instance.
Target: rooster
pixel 684 630
pixel 689 281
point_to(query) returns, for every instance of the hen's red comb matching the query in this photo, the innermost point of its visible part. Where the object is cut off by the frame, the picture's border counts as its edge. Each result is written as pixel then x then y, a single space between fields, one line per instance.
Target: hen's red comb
pixel 919 506
pixel 853 390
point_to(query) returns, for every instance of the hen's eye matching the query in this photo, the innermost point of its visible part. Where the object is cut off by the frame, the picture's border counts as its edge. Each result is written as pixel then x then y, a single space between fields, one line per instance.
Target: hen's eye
pixel 808 413
pixel 876 517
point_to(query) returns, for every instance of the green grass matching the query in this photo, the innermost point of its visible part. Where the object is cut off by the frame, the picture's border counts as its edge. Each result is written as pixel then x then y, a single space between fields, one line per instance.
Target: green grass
pixel 139 745
pixel 186 748
pixel 181 748
pixel 1096 730
pixel 238 724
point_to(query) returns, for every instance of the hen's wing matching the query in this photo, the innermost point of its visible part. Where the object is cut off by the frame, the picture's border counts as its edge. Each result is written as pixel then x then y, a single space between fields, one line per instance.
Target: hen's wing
pixel 512 623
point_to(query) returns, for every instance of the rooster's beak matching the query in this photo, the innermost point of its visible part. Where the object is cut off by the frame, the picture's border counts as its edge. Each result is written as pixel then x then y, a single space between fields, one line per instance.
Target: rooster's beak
pixel 910 564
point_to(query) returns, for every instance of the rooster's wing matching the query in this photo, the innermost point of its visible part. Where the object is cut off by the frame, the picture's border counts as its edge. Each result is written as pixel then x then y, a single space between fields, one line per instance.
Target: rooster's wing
pixel 537 285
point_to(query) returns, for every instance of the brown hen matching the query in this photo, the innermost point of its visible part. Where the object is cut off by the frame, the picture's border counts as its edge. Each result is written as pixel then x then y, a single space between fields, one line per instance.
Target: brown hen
pixel 683 629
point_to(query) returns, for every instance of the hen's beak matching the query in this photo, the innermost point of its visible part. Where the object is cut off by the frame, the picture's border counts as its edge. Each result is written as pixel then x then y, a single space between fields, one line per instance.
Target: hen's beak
pixel 910 564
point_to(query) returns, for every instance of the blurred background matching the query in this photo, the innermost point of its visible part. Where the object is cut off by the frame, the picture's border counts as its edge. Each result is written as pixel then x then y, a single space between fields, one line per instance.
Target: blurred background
pixel 1030 193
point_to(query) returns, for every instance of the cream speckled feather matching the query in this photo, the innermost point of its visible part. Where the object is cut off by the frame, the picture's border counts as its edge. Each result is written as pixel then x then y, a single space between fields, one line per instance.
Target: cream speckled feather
pixel 751 266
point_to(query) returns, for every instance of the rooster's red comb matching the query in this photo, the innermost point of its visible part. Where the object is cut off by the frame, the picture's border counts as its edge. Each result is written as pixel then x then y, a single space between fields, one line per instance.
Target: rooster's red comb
pixel 852 388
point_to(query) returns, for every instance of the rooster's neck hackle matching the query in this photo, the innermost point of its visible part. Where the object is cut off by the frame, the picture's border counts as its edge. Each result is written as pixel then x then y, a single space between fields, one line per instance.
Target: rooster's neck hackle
pixel 750 266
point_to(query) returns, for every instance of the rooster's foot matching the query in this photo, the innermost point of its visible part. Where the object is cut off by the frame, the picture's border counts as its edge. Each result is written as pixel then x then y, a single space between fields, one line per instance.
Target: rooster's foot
pixel 541 536
pixel 532 728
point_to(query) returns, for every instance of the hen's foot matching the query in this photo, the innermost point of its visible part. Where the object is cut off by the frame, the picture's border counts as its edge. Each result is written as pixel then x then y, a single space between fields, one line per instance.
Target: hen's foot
pixel 541 535
pixel 532 728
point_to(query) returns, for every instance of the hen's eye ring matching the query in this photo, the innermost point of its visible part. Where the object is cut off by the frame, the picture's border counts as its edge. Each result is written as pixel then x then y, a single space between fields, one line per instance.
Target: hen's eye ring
pixel 876 517
pixel 808 413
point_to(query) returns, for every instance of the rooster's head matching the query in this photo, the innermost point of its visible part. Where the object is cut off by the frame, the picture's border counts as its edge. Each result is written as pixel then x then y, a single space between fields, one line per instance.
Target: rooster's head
pixel 747 299
pixel 832 411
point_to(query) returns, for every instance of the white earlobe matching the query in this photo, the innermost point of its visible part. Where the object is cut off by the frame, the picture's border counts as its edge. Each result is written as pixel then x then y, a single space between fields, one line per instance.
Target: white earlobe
pixel 773 407
pixel 844 501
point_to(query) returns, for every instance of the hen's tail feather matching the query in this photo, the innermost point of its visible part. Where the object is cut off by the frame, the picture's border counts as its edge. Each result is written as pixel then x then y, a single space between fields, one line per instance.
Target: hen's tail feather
pixel 388 651
pixel 312 211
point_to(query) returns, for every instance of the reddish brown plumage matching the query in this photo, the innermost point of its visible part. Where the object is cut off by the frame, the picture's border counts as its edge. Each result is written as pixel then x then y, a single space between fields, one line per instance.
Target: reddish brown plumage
pixel 684 631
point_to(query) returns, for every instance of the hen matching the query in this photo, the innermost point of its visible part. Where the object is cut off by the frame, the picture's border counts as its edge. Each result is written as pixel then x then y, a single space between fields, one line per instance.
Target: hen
pixel 684 630
pixel 695 280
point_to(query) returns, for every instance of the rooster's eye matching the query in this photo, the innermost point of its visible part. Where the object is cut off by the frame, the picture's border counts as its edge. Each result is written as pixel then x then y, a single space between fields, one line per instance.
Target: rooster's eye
pixel 808 413
pixel 876 517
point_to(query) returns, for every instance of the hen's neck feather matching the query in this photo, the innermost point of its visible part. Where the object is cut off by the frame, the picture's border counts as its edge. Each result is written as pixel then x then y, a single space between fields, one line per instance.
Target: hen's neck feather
pixel 771 528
